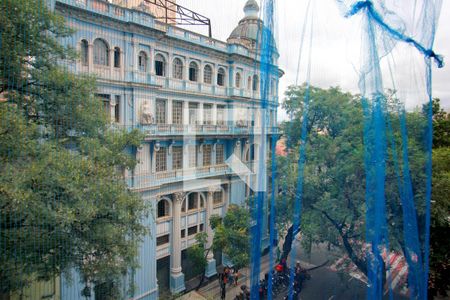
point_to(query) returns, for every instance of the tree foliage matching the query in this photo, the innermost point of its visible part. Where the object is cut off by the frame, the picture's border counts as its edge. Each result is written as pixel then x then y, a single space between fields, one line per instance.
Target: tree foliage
pixel 232 235
pixel 334 206
pixel 63 200
pixel 439 282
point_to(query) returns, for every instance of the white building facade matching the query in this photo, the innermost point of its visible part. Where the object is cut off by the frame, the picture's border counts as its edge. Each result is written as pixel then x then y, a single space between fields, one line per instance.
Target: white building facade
pixel 197 100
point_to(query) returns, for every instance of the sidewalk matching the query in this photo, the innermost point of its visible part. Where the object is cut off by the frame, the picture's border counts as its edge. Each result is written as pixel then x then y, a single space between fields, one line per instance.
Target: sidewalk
pixel 212 290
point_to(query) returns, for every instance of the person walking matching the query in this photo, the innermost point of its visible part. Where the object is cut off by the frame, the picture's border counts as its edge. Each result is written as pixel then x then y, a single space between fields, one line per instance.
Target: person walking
pixel 236 276
pixel 223 290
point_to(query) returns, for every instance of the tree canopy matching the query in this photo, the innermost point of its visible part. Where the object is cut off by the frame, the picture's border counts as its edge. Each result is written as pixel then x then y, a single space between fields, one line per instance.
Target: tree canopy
pixel 334 206
pixel 63 200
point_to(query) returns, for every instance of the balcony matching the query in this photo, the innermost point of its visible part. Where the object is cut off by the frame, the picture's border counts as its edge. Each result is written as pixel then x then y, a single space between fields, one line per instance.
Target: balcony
pixel 148 180
pixel 182 129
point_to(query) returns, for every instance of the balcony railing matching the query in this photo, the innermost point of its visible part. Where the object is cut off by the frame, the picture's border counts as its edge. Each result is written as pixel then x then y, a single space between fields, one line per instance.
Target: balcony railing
pixel 149 180
pixel 182 129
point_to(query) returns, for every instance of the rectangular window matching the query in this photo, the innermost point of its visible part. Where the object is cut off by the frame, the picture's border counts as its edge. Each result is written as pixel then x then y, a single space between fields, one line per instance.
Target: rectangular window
pixel 159 67
pixel 162 240
pixel 177 112
pixel 219 154
pixel 183 233
pixel 161 160
pixel 117 110
pixel 220 114
pixel 106 103
pixel 192 230
pixel 177 157
pixel 160 111
pixel 193 113
pixel 201 227
pixel 207 114
pixel 206 155
pixel 193 150
pixel 217 197
pixel 116 58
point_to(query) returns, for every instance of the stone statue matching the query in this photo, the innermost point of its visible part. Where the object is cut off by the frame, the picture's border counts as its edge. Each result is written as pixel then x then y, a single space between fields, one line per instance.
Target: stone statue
pixel 146 113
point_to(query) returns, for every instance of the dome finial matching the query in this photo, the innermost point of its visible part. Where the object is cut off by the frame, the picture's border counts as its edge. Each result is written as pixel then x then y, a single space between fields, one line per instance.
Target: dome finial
pixel 251 9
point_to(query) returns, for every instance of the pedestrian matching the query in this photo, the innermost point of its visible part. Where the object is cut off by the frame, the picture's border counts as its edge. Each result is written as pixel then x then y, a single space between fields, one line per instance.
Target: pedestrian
pixel 236 276
pixel 223 292
pixel 226 275
pixel 222 283
pixel 231 276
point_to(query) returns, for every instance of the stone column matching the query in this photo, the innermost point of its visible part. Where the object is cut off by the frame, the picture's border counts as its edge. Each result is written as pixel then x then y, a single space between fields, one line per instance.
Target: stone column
pixel 185 112
pixel 122 65
pixel 176 276
pixel 200 113
pixel 211 262
pixel 111 62
pixel 90 57
pixel 169 111
pixel 214 114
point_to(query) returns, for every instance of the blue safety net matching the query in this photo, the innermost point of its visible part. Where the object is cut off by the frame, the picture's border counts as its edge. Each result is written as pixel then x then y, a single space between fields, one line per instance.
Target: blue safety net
pixel 285 156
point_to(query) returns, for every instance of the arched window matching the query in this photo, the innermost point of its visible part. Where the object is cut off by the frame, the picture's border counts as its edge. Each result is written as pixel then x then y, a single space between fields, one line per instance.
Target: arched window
pixel 116 57
pixel 192 201
pixel 142 61
pixel 160 65
pixel 255 83
pixel 193 71
pixel 177 68
pixel 101 53
pixel 249 83
pixel 163 208
pixel 84 53
pixel 237 80
pixel 221 77
pixel 202 203
pixel 207 74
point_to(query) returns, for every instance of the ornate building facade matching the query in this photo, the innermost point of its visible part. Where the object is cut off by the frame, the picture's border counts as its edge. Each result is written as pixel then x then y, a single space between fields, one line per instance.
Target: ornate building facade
pixel 197 99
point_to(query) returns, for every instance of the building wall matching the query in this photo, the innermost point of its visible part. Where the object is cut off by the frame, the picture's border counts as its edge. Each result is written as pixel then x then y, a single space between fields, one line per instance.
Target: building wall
pixel 148 6
pixel 131 90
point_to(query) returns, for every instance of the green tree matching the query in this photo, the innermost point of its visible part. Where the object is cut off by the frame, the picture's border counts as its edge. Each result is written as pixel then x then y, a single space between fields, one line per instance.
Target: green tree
pixel 197 255
pixel 232 235
pixel 439 283
pixel 334 206
pixel 63 200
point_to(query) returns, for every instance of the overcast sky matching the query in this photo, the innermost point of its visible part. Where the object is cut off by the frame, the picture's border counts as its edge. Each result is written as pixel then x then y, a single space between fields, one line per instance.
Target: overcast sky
pixel 335 46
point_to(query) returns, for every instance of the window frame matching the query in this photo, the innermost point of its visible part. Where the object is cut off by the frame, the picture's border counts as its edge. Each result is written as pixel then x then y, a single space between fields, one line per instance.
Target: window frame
pixel 237 80
pixel 177 68
pixel 177 112
pixel 193 71
pixel 177 157
pixel 160 115
pixel 161 160
pixel 84 52
pixel 207 114
pixel 207 76
pixel 165 238
pixel 160 65
pixel 98 56
pixel 142 61
pixel 220 153
pixel 207 159
pixel 221 76
pixel 117 57
pixel 255 83
pixel 167 212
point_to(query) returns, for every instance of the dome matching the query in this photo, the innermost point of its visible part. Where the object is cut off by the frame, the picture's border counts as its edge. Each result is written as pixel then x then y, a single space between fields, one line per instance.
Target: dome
pixel 248 31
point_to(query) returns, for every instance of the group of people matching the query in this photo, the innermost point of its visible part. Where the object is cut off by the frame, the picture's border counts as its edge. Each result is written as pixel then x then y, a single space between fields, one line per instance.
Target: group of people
pixel 229 276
